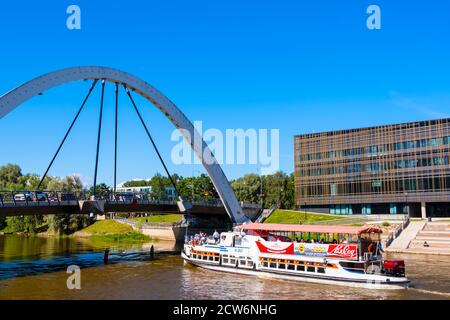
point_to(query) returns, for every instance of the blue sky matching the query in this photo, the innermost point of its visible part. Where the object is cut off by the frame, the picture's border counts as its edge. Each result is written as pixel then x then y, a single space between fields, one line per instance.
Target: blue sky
pixel 299 66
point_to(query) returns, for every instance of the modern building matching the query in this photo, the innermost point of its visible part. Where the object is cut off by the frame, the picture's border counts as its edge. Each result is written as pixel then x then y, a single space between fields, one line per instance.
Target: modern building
pixel 170 191
pixel 389 169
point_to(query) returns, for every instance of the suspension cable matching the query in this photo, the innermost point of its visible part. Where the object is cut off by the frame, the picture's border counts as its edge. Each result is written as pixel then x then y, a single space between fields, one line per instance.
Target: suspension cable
pixel 67 133
pixel 115 136
pixel 98 137
pixel 151 139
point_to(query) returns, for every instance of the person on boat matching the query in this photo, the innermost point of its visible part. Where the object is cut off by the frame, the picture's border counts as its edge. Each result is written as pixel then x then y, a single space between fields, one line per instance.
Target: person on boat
pixel 380 247
pixel 216 236
pixel 371 248
pixel 202 238
pixel 197 239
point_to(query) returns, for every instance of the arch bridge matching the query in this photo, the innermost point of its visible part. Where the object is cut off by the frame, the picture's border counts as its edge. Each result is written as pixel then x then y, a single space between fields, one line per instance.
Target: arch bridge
pixel 130 84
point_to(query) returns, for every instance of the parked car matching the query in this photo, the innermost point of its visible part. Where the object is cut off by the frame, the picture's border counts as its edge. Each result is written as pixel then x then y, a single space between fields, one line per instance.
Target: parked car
pixel 23 196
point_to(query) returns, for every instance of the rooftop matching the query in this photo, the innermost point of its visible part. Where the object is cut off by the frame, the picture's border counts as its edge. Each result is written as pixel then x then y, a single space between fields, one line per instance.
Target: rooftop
pixel 309 228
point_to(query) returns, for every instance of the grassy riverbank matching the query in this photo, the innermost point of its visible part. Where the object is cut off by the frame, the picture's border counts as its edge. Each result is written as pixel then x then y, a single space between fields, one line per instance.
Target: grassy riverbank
pixel 160 218
pixel 295 217
pixel 112 231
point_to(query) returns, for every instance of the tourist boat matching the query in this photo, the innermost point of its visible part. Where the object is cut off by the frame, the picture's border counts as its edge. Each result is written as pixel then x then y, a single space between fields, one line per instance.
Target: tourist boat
pixel 343 255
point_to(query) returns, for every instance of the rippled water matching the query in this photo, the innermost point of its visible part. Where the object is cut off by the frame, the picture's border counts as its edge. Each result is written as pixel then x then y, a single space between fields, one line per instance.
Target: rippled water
pixel 169 278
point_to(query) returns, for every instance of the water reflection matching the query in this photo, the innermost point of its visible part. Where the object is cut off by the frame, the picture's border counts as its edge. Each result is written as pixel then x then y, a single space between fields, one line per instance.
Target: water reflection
pixel 169 278
pixel 25 256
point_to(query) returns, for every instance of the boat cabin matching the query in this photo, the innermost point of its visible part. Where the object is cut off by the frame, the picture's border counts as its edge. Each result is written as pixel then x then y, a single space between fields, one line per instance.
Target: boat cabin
pixel 354 243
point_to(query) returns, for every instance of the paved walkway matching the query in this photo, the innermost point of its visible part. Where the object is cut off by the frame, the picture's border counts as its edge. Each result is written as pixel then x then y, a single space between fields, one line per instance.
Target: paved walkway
pixel 409 234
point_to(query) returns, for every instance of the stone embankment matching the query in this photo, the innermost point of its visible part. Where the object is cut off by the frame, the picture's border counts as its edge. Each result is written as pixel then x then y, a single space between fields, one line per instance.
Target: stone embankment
pixel 160 231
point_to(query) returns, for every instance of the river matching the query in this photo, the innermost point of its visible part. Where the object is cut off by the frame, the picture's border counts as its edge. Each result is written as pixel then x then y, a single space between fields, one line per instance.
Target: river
pixel 35 268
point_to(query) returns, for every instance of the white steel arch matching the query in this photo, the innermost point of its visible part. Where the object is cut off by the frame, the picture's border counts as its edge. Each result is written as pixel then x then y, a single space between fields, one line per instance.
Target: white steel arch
pixel 17 96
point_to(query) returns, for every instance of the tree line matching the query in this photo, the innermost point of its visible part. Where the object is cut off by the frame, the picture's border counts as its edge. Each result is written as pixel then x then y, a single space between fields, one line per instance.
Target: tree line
pixel 276 189
pixel 11 178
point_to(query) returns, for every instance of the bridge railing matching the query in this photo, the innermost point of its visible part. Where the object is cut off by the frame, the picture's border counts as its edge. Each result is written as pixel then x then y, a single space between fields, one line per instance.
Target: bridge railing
pixel 39 197
pixel 19 198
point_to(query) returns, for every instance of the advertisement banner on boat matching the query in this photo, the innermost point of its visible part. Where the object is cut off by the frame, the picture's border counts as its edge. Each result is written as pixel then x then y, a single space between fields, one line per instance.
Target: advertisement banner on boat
pixel 311 249
pixel 349 251
pixel 322 250
pixel 275 248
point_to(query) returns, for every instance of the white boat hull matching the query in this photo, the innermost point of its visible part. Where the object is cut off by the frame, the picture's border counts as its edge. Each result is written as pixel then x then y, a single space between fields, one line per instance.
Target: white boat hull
pixel 369 284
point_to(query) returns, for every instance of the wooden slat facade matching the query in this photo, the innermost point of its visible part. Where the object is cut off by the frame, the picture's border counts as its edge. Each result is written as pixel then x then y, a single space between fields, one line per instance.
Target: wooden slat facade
pixel 391 164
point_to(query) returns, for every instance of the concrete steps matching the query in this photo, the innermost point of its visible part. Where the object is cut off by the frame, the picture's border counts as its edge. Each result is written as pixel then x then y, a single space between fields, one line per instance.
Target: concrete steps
pixel 426 238
pixel 434 244
pixel 405 238
pixel 437 233
pixel 437 226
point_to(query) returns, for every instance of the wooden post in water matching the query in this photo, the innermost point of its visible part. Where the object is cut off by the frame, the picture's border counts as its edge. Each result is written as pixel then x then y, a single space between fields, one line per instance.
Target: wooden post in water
pixel 106 256
pixel 152 252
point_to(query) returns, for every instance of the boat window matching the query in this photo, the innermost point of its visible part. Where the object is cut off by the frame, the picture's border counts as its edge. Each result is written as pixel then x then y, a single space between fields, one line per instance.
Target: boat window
pixel 225 260
pixel 250 264
pixel 320 270
pixel 205 258
pixel 211 258
pixel 300 268
pixel 216 259
pixel 273 265
pixel 233 261
pixel 311 269
pixel 352 265
pixel 291 267
pixel 281 266
pixel 242 262
pixel 265 264
pixel 194 256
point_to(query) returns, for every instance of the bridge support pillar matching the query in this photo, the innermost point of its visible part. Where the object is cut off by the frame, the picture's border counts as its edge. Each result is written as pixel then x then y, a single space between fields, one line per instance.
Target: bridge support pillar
pixel 94 206
pixel 423 207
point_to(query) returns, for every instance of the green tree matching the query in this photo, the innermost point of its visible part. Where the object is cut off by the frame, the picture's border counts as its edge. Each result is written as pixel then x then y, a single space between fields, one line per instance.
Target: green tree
pixel 279 190
pixel 67 223
pixel 10 177
pixel 158 184
pixel 137 183
pixel 27 224
pixel 101 190
pixel 248 188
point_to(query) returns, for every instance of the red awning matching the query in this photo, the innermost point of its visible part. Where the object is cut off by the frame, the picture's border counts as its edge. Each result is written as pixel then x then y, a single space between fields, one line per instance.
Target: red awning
pixel 308 228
